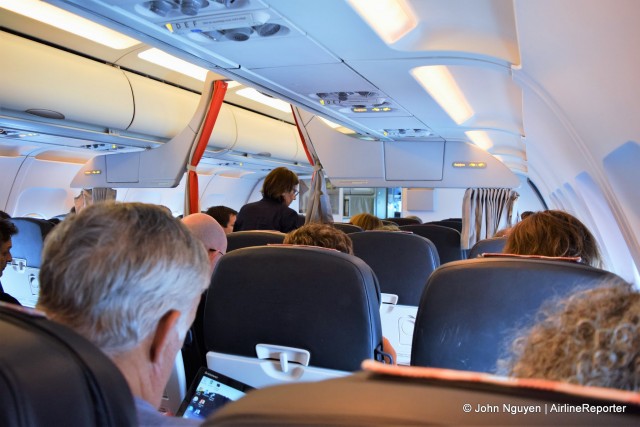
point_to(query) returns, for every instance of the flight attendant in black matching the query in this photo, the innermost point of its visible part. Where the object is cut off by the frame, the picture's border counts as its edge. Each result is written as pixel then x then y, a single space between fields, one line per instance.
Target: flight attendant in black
pixel 272 212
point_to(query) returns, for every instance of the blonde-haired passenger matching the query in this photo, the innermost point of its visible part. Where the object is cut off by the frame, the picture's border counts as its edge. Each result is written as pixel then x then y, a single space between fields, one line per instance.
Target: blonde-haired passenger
pixel 366 221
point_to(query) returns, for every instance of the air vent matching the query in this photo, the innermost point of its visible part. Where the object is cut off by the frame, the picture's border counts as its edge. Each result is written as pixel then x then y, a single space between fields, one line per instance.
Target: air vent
pixel 407 133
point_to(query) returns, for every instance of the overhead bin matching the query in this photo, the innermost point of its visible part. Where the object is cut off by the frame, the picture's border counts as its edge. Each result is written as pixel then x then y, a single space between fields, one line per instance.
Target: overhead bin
pixel 36 77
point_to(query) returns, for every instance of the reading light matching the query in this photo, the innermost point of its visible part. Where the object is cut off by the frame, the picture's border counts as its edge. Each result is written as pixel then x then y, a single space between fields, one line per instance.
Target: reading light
pixel 438 81
pixel 391 19
pixel 163 59
pixel 69 22
pixel 256 96
pixel 480 138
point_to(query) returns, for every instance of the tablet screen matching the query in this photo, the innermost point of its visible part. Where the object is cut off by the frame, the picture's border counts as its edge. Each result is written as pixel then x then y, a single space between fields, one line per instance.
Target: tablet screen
pixel 209 391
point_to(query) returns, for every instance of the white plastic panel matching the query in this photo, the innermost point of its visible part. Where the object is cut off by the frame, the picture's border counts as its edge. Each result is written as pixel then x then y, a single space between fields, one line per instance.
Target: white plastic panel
pixel 608 227
pixel 258 134
pixel 413 160
pixel 261 373
pixel 9 167
pixel 397 326
pixel 36 76
pixel 31 176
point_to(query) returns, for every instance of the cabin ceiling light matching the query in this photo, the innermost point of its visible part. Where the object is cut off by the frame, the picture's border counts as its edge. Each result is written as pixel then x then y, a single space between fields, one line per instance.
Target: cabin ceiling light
pixel 163 59
pixel 480 138
pixel 391 19
pixel 254 95
pixel 438 81
pixel 69 22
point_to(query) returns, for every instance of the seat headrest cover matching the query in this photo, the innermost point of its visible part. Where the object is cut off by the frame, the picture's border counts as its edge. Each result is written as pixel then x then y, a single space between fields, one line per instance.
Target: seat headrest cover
pixel 394 396
pixel 401 261
pixel 51 375
pixel 29 241
pixel 469 308
pixel 310 298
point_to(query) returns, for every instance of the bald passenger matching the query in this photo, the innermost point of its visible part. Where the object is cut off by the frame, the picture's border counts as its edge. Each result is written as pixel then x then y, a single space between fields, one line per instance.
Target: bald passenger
pixel 210 233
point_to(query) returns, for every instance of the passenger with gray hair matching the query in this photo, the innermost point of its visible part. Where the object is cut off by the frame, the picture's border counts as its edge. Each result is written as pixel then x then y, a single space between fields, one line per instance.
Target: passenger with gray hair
pixel 128 277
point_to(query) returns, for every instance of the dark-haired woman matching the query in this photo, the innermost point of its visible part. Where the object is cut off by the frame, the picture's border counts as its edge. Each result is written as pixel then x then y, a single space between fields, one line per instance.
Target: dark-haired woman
pixel 273 211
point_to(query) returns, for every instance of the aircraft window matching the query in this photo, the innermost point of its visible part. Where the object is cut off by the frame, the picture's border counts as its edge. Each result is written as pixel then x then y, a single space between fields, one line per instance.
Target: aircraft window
pixel 612 237
pixel 41 202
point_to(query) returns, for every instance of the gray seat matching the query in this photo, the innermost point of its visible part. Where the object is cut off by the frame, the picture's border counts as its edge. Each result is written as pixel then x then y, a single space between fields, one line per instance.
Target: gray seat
pixel 403 221
pixel 245 239
pixel 492 245
pixel 469 308
pixel 451 223
pixel 402 262
pixel 347 228
pixel 408 397
pixel 446 240
pixel 311 299
pixel 52 376
pixel 20 279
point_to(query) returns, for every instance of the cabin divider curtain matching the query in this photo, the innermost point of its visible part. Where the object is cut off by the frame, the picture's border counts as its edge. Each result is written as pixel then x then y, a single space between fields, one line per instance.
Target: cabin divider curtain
pixel 192 193
pixel 89 196
pixel 319 206
pixel 485 211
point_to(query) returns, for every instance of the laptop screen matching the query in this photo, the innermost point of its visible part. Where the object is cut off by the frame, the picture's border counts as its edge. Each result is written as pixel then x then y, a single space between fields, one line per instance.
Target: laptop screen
pixel 208 392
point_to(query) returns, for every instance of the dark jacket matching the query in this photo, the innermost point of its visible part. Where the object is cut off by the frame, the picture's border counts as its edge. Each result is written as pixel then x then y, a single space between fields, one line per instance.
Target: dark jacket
pixel 5 297
pixel 267 214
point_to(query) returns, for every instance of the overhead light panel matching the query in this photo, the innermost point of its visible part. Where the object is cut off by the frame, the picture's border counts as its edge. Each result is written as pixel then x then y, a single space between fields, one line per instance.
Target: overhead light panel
pixel 438 81
pixel 480 138
pixel 390 19
pixel 69 22
pixel 163 59
pixel 254 95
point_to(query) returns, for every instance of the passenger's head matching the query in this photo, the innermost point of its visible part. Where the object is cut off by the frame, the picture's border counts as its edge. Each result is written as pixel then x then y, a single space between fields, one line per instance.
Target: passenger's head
pixel 504 232
pixel 366 221
pixel 210 233
pixel 4 215
pixel 556 234
pixel 280 184
pixel 591 338
pixel 225 216
pixel 7 230
pixel 389 227
pixel 323 235
pixel 113 271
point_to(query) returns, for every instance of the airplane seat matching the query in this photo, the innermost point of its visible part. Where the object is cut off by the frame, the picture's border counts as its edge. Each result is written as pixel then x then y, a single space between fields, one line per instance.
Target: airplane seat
pixel 402 263
pixel 446 240
pixel 470 308
pixel 291 313
pixel 49 375
pixel 347 228
pixel 451 223
pixel 21 278
pixel 403 221
pixel 383 395
pixel 491 245
pixel 245 239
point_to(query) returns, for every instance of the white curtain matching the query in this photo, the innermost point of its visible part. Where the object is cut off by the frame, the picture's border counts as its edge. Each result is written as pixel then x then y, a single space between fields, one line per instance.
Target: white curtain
pixel 89 196
pixel 319 206
pixel 485 211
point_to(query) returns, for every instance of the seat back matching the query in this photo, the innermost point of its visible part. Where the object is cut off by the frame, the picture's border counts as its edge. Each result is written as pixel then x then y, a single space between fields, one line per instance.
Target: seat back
pixel 446 240
pixel 403 221
pixel 310 299
pixel 408 396
pixel 20 279
pixel 51 375
pixel 245 239
pixel 346 227
pixel 451 223
pixel 492 245
pixel 402 262
pixel 470 308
